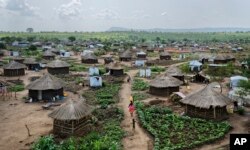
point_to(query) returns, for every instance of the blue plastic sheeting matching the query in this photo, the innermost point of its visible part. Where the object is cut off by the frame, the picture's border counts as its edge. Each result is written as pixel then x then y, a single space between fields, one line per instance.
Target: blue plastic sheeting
pixel 93 71
pixel 234 81
pixel 145 72
pixel 139 63
pixel 95 81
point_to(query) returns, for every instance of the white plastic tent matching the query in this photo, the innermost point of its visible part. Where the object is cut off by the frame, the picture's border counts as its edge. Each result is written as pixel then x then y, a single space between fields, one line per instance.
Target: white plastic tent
pixel 195 64
pixel 139 63
pixel 234 81
pixel 234 95
pixel 93 71
pixel 95 81
pixel 64 53
pixel 145 72
pixel 85 52
pixel 14 53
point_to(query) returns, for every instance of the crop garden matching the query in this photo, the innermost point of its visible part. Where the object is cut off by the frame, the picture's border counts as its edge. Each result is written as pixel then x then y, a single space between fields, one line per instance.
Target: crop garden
pixel 139 85
pixel 172 132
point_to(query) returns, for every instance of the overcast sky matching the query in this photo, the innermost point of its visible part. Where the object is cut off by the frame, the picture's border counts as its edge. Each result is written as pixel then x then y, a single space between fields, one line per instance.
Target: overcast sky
pixel 100 15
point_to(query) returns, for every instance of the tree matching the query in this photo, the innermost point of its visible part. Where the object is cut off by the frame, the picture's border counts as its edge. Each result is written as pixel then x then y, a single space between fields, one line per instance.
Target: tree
pixel 29 30
pixel 32 48
pixel 2 46
pixel 31 38
pixel 72 38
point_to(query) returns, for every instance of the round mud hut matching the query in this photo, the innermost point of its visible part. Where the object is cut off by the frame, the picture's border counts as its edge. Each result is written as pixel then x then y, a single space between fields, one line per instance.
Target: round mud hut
pixel 45 88
pixel 89 58
pixel 126 56
pixel 115 69
pixel 14 69
pixel 207 104
pixel 31 63
pixel 164 86
pixel 72 118
pixel 58 67
pixel 48 55
pixel 165 56
pixel 176 73
pixel 220 59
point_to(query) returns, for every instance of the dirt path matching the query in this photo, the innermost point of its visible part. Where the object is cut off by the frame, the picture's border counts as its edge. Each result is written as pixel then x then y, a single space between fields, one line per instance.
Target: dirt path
pixel 138 139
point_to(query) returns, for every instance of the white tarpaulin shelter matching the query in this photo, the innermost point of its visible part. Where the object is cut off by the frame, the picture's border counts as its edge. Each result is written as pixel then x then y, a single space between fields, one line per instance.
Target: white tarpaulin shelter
pixel 139 63
pixel 145 72
pixel 234 95
pixel 64 53
pixel 95 81
pixel 14 53
pixel 93 71
pixel 85 52
pixel 234 81
pixel 195 65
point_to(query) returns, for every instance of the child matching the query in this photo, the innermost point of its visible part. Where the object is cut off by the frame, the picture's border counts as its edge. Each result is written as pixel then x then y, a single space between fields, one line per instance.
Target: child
pixel 131 108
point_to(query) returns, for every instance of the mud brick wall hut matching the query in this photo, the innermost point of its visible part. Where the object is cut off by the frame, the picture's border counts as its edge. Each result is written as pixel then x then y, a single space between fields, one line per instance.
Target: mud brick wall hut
pixel 164 86
pixel 175 72
pixel 14 69
pixel 141 55
pixel 115 69
pixel 207 104
pixel 58 67
pixel 89 58
pixel 45 88
pixel 165 56
pixel 125 56
pixel 48 55
pixel 31 63
pixel 72 118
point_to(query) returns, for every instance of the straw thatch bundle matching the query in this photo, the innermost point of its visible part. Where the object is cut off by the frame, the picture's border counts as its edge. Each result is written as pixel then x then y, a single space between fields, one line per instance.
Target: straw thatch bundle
pixel 13 65
pixel 46 82
pixel 58 64
pixel 72 110
pixel 165 81
pixel 206 97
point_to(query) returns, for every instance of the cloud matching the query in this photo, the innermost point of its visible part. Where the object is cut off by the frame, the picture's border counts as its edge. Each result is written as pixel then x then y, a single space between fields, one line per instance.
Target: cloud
pixel 107 14
pixel 140 14
pixel 21 7
pixel 2 3
pixel 164 13
pixel 69 10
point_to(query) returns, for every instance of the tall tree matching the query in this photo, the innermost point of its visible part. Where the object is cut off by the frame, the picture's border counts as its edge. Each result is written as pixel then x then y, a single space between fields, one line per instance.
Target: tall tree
pixel 30 30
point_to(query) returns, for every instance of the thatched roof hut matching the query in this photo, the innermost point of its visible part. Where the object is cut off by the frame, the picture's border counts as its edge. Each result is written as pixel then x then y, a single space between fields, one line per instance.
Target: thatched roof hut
pixel 165 56
pixel 115 69
pixel 48 55
pixel 18 59
pixel 164 86
pixel 207 103
pixel 230 58
pixel 46 88
pixel 89 58
pixel 58 67
pixel 72 118
pixel 126 56
pixel 175 72
pixel 14 69
pixel 31 63
pixel 220 59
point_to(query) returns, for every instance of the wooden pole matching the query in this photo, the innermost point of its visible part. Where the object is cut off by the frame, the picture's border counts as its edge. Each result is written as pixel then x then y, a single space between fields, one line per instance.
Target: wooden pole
pixel 214 113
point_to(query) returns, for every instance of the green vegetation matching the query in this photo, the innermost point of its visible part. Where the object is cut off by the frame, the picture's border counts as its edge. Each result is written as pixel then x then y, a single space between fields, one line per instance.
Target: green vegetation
pixel 140 96
pixel 152 54
pixel 139 85
pixel 178 132
pixel 157 69
pixel 185 68
pixel 104 96
pixel 17 88
pixel 77 67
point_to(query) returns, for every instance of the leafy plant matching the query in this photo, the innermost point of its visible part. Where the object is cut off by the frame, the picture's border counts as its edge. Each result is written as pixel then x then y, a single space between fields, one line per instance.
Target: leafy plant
pixel 45 143
pixel 139 85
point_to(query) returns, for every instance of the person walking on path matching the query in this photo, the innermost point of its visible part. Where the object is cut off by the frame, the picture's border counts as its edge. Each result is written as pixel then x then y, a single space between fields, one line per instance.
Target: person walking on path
pixel 131 108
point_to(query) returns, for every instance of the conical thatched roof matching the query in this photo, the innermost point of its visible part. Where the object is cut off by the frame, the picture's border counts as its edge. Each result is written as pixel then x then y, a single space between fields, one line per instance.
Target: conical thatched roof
pixel 165 53
pixel 14 65
pixel 220 57
pixel 46 82
pixel 89 56
pixel 72 110
pixel 115 66
pixel 165 81
pixel 229 57
pixel 18 58
pixel 206 97
pixel 48 53
pixel 30 61
pixel 174 71
pixel 58 64
pixel 126 54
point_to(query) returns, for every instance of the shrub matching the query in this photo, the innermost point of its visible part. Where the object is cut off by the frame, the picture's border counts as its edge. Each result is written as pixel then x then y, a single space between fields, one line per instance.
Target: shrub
pixel 241 111
pixel 45 143
pixel 139 85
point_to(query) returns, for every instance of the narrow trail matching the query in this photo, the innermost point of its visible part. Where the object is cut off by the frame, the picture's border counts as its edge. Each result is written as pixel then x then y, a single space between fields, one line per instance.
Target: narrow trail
pixel 138 139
